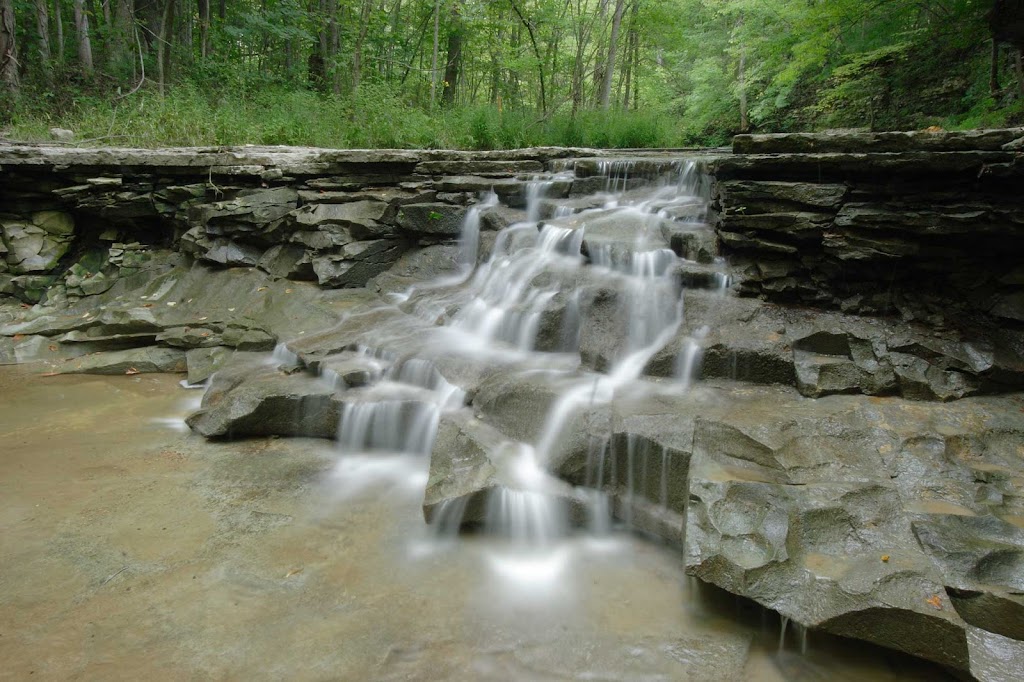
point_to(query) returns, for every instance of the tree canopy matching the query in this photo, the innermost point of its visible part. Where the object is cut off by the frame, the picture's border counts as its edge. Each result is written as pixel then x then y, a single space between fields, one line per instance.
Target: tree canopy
pixel 490 73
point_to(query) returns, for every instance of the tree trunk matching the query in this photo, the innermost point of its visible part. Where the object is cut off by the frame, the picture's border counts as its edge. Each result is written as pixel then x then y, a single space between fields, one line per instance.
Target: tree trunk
pixel 43 31
pixel 163 52
pixel 609 66
pixel 578 72
pixel 495 67
pixel 82 35
pixel 391 50
pixel 357 50
pixel 1018 67
pixel 122 35
pixel 60 30
pixel 742 83
pixel 185 17
pixel 993 74
pixel 433 58
pixel 600 50
pixel 8 47
pixel 453 64
pixel 204 29
pixel 536 53
pixel 335 44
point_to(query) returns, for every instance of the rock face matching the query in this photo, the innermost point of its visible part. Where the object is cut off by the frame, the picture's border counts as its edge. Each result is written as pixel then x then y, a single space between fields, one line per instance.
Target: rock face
pixel 924 225
pixel 850 497
pixel 337 217
pixel 832 429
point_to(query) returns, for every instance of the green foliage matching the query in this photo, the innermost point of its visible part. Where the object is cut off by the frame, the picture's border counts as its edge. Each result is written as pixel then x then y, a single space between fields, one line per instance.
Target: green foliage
pixel 357 73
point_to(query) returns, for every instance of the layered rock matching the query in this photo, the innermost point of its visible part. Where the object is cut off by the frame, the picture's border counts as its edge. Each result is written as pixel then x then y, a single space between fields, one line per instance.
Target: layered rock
pixel 923 225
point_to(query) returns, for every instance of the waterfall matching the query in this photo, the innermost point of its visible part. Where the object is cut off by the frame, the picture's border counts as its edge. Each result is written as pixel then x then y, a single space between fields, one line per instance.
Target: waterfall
pixel 532 299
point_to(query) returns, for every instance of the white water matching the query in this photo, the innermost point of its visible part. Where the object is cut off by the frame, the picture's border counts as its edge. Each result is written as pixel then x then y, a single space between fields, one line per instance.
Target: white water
pixel 524 307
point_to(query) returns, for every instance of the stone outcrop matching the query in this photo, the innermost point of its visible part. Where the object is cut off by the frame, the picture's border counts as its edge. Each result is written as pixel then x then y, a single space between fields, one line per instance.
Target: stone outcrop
pixel 68 216
pixel 923 225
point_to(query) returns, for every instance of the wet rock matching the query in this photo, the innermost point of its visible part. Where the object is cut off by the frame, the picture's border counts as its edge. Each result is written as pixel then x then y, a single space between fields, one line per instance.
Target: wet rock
pixel 994 658
pixel 362 218
pixel 518 405
pixel 418 266
pixel 435 219
pixel 351 369
pixel 982 560
pixel 231 254
pixel 190 337
pixel 357 263
pixel 476 167
pixel 250 397
pixel 772 542
pixel 287 261
pixel 694 242
pixel 203 362
pixel 461 472
pixel 644 475
pixel 131 361
pixel 843 514
pixel 251 212
pixel 248 337
pixel 470 462
pixel 499 217
pixel 358 328
pixel 80 281
pixel 765 196
pixel 1001 613
pixel 1010 307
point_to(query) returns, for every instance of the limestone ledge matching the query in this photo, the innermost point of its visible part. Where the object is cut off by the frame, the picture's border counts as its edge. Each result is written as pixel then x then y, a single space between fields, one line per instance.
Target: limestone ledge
pixel 924 226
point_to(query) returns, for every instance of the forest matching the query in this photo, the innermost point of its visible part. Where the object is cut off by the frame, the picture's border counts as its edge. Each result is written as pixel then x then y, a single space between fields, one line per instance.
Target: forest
pixel 502 73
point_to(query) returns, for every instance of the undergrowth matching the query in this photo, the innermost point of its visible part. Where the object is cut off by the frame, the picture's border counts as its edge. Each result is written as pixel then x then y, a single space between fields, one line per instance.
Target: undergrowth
pixel 372 118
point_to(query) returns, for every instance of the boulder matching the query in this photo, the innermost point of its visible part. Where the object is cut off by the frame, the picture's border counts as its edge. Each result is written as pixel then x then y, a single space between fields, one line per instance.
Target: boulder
pixel 132 361
pixel 252 397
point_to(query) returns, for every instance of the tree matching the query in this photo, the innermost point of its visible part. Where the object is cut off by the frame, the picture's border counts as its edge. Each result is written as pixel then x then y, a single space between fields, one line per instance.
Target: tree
pixel 43 34
pixel 82 35
pixel 8 46
pixel 453 62
pixel 613 44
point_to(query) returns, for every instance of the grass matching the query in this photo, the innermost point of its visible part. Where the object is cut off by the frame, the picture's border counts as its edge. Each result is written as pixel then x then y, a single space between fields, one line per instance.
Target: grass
pixel 373 118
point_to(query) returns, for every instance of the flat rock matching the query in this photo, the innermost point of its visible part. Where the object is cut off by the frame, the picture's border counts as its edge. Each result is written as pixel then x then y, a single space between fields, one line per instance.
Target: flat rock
pixel 946 141
pixel 131 361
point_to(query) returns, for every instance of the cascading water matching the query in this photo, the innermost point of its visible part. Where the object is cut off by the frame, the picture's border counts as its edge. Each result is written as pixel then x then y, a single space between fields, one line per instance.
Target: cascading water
pixel 525 305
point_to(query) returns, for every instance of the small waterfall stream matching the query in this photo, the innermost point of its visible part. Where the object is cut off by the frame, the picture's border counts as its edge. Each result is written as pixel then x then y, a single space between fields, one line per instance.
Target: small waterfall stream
pixel 524 307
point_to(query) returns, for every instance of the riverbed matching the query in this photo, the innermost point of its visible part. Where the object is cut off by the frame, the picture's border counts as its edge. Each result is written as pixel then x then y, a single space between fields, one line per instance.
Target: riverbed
pixel 130 548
